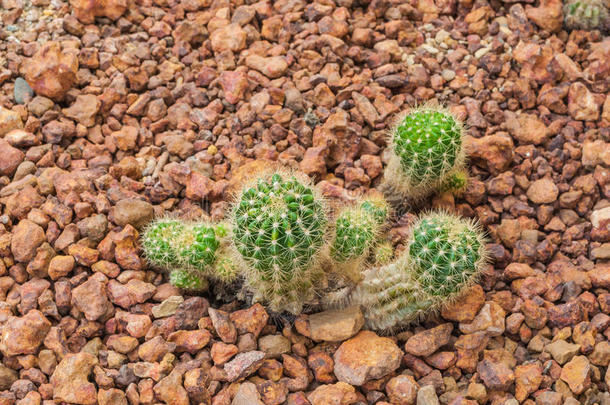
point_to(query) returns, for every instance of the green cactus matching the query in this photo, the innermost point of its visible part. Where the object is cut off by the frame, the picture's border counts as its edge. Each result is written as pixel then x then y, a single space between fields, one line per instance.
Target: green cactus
pixel 188 280
pixel 279 228
pixel 445 254
pixel 586 15
pixel 196 246
pixel 357 231
pixel 158 242
pixel 384 253
pixel 426 148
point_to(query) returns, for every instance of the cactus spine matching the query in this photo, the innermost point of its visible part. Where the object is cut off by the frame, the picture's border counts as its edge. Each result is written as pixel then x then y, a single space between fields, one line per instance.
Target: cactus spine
pixel 188 280
pixel 426 149
pixel 279 228
pixel 158 242
pixel 445 254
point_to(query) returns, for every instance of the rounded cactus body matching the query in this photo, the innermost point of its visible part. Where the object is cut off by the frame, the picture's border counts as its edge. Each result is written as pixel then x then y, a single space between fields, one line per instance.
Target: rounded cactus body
pixel 426 147
pixel 158 242
pixel 279 230
pixel 384 253
pixel 197 245
pixel 445 254
pixel 188 280
pixel 586 15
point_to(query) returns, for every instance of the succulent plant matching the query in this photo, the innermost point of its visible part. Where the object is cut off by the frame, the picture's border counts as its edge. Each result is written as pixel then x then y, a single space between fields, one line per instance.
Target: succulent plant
pixel 426 148
pixel 357 230
pixel 445 254
pixel 188 280
pixel 384 253
pixel 158 241
pixel 279 230
pixel 586 14
pixel 196 246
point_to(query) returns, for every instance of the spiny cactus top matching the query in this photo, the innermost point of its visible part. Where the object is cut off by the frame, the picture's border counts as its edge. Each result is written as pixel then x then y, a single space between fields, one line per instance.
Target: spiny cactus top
pixel 447 252
pixel 188 280
pixel 279 229
pixel 426 147
pixel 158 241
pixel 586 14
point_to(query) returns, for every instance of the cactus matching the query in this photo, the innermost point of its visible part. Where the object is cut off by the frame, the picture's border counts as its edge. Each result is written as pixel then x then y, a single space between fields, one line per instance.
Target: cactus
pixel 384 253
pixel 357 230
pixel 196 246
pixel 158 242
pixel 445 254
pixel 188 280
pixel 279 227
pixel 586 14
pixel 426 148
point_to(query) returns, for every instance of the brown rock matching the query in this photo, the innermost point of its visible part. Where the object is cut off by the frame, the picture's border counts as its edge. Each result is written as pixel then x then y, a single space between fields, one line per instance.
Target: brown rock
pixel 223 326
pixel 51 72
pixel 495 375
pixel 314 161
pixel 133 212
pixel 581 103
pixel 7 377
pixel 87 10
pixel 548 15
pixel 272 67
pixel 134 292
pixel 170 389
pixel 576 373
pixel 527 380
pixel 190 341
pixel 527 128
pixel 543 191
pixel 222 352
pixel 234 85
pixel 250 320
pixel 228 38
pixel 427 342
pixel 90 298
pixel 491 319
pixel 247 394
pixel 402 390
pixel 335 325
pixel 335 394
pixel 84 109
pixel 243 365
pixel 60 266
pixel 9 120
pixel 493 152
pixel 70 379
pixel 10 158
pixel 365 357
pixel 24 335
pixel 27 236
pixel 112 396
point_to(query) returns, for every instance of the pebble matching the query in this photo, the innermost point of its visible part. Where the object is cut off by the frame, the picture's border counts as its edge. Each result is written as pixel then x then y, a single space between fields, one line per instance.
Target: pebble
pixel 562 351
pixel 133 212
pixel 576 373
pixel 542 191
pixel 22 91
pixel 9 120
pixel 70 379
pixel 51 72
pixel 335 325
pixel 243 365
pixel 168 307
pixel 429 341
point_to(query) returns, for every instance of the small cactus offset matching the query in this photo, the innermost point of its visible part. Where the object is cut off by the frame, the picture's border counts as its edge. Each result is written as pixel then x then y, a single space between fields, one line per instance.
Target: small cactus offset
pixel 586 15
pixel 158 242
pixel 188 280
pixel 445 254
pixel 426 149
pixel 357 231
pixel 196 246
pixel 279 229
pixel 384 253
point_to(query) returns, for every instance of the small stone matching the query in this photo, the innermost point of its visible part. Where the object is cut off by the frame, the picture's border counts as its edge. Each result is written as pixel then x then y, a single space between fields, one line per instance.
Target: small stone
pixel 366 357
pixel 527 380
pixel 495 375
pixel 84 109
pixel 334 394
pixel 228 38
pixel 7 377
pixel 243 365
pixel 10 158
pixel 133 212
pixel 9 120
pixel 170 389
pixel 562 351
pixel 190 341
pixel 27 237
pixel 601 354
pixel 402 390
pixel 250 320
pixel 60 266
pixel 576 373
pixel 581 103
pixel 70 379
pixel 112 396
pixel 427 396
pixel 272 67
pixel 90 298
pixel 168 307
pixel 527 128
pixel 234 85
pixel 548 15
pixel 222 352
pixel 493 152
pixel 490 319
pixel 274 345
pixel 86 10
pixel 429 341
pixel 25 334
pixel 336 325
pixel 247 394
pixel 223 326
pixel 543 191
pixel 51 72
pixel 22 91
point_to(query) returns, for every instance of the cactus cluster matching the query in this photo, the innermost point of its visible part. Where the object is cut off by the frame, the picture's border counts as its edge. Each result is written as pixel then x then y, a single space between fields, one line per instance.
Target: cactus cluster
pixel 586 15
pixel 279 229
pixel 426 154
pixel 445 254
pixel 280 240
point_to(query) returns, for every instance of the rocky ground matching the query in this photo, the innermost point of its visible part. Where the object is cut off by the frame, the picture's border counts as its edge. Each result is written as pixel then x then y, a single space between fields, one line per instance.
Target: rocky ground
pixel 154 107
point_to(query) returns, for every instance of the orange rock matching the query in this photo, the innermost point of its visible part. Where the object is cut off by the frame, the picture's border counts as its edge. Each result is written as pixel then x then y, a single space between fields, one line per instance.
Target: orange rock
pixel 51 72
pixel 87 10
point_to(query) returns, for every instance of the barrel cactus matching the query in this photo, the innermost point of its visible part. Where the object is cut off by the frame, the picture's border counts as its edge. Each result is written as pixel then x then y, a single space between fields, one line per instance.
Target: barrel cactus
pixel 279 227
pixel 188 280
pixel 426 149
pixel 586 15
pixel 158 242
pixel 357 231
pixel 445 254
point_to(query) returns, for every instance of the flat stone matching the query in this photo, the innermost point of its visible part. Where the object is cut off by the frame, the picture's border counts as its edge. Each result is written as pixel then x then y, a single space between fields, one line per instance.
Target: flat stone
pixel 427 342
pixel 336 325
pixel 168 307
pixel 70 379
pixel 562 351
